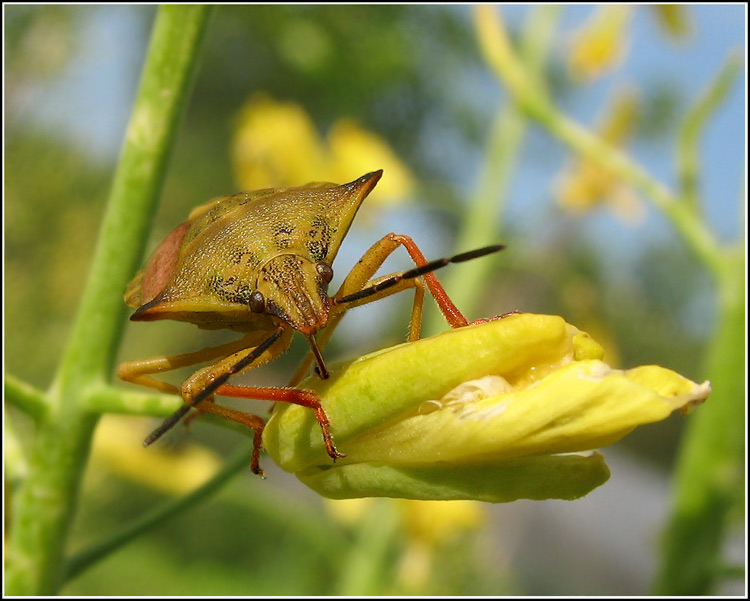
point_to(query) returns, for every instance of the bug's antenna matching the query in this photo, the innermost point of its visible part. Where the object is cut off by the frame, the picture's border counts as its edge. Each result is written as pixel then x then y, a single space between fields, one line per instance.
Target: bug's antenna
pixel 166 425
pixel 416 272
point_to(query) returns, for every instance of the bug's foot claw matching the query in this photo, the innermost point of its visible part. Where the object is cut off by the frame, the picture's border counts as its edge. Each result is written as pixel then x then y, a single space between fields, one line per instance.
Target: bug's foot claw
pixel 496 318
pixel 333 452
pixel 256 469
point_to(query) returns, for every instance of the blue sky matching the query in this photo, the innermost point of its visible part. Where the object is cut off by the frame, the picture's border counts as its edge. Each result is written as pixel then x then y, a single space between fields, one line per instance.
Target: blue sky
pixel 91 98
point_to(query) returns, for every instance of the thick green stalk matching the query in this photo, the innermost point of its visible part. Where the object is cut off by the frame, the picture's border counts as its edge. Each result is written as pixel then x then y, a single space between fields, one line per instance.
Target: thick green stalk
pixel 14 457
pixel 162 96
pixel 710 467
pixel 45 503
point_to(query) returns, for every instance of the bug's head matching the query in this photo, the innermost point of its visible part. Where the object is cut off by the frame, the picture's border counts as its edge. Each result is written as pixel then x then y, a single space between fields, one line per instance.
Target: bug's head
pixel 295 290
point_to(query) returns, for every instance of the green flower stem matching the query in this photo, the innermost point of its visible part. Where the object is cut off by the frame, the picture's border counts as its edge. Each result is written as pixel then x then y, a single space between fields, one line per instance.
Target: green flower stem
pixel 685 220
pixel 363 570
pixel 162 96
pixel 530 96
pixel 45 504
pixel 693 125
pixel 24 396
pixel 710 466
pixel 482 219
pixel 108 399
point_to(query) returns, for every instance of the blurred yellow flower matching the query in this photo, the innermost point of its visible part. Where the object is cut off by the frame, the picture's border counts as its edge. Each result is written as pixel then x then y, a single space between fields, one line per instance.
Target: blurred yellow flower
pixel 493 412
pixel 356 150
pixel 434 523
pixel 348 511
pixel 427 527
pixel 585 185
pixel 428 522
pixel 601 43
pixel 276 144
pixel 430 526
pixel 674 20
pixel 156 467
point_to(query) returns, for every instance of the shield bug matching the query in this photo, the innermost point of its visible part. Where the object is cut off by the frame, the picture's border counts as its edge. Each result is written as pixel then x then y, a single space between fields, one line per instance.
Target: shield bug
pixel 259 263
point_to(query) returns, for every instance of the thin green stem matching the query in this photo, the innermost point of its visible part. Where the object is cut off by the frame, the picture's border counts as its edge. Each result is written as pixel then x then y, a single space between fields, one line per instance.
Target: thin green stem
pixel 689 225
pixel 362 572
pixel 99 550
pixel 28 399
pixel 481 224
pixel 693 125
pixel 262 504
pixel 45 504
pixel 530 96
pixel 710 467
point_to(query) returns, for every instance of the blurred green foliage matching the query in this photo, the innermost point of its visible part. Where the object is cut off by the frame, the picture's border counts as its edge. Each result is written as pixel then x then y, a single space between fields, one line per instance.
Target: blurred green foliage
pixel 395 70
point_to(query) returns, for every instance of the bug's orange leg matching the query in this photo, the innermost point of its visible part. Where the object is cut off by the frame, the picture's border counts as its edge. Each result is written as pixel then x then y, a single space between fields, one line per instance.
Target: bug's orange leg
pixel 253 422
pixel 359 288
pixel 297 396
pixel 198 391
pixel 451 313
pixel 337 313
pixel 140 370
pixel 137 371
pixel 204 382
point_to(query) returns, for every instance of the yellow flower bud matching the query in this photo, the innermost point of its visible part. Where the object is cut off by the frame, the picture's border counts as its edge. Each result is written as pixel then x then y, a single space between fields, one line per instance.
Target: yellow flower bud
pixel 492 412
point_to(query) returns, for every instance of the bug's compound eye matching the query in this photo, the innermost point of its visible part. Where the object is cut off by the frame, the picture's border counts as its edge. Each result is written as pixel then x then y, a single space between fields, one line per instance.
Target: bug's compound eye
pixel 257 302
pixel 325 271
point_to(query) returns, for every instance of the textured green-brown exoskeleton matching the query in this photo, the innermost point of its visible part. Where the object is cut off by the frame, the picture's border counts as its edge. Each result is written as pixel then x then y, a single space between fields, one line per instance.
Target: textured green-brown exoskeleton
pixel 260 263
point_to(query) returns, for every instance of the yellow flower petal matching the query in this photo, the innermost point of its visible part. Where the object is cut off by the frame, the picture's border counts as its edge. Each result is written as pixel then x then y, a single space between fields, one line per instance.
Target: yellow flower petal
pixel 436 522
